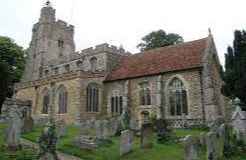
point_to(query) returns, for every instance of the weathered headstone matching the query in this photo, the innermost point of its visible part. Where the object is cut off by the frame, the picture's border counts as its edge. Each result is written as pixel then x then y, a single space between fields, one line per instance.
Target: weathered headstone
pixel 184 120
pixel 126 142
pixel 225 139
pixel 161 126
pixel 191 148
pixel 13 116
pixel 99 129
pixel 214 127
pixel 105 129
pixel 85 141
pixel 27 125
pixel 147 135
pixel 211 140
pixel 202 139
pixel 114 126
pixel 61 127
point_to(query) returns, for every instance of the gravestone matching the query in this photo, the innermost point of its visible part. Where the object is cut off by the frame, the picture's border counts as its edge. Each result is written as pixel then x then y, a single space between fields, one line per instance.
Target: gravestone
pixel 27 125
pixel 161 126
pixel 126 142
pixel 146 135
pixel 61 127
pixel 13 117
pixel 191 148
pixel 184 120
pixel 105 134
pixel 214 127
pixel 202 139
pixel 85 141
pixel 239 122
pixel 211 140
pixel 99 129
pixel 114 126
pixel 224 139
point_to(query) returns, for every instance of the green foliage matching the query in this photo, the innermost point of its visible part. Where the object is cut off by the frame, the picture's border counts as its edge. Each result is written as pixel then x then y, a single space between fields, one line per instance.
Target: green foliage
pixel 12 64
pixel 157 39
pixel 235 68
pixel 47 142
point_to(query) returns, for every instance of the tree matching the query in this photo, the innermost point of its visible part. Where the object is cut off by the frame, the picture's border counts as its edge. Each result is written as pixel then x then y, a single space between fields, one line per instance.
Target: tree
pixel 235 68
pixel 12 64
pixel 157 39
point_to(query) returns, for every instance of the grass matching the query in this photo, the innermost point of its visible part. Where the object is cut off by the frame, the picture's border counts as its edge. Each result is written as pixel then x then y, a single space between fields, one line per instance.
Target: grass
pixel 109 149
pixel 35 134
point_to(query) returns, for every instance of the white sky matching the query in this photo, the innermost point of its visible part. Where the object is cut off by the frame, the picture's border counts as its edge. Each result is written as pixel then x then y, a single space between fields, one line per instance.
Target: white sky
pixel 127 21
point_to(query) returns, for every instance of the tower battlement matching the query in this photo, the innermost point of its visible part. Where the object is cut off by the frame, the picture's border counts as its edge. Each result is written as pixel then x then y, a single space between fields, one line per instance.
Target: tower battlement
pixel 105 47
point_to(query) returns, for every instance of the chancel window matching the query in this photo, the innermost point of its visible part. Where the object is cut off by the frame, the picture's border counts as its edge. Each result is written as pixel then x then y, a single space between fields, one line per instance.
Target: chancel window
pixel 62 100
pixel 46 101
pixel 177 97
pixel 145 95
pixel 116 104
pixel 92 97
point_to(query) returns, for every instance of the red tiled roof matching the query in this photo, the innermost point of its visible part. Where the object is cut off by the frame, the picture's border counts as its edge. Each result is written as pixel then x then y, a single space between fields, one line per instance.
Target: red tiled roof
pixel 176 57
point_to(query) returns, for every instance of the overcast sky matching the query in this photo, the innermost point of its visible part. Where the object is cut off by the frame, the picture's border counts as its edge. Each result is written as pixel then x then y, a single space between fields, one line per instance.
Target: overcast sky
pixel 125 22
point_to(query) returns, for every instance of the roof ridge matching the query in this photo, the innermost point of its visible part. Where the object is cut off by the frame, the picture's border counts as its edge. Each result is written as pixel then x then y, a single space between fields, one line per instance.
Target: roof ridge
pixel 170 46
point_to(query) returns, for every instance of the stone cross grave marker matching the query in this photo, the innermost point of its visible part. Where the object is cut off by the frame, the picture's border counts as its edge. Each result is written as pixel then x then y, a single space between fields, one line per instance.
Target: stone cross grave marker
pixel 147 135
pixel 191 148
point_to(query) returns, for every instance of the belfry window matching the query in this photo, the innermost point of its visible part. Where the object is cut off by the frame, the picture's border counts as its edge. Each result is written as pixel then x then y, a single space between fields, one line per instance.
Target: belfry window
pixel 60 43
pixel 116 104
pixel 145 95
pixel 177 97
pixel 92 97
pixel 62 99
pixel 93 62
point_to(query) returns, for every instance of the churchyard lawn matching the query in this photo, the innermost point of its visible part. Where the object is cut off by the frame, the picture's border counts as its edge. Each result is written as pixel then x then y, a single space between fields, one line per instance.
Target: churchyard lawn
pixel 109 149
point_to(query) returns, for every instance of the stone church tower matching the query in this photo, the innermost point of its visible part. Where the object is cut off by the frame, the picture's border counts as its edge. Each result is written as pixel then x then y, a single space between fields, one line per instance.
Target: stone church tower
pixel 51 40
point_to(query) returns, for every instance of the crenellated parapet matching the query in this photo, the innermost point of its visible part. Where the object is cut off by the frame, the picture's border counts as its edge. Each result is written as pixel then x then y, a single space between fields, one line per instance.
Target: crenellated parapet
pixel 104 48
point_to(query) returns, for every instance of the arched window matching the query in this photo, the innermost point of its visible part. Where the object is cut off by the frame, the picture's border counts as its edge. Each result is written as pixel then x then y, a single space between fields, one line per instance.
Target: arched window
pixel 93 62
pixel 116 104
pixel 46 101
pixel 62 100
pixel 177 97
pixel 92 97
pixel 145 95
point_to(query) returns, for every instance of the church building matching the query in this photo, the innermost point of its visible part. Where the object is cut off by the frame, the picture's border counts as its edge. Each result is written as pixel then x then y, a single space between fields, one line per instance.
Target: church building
pixel 177 82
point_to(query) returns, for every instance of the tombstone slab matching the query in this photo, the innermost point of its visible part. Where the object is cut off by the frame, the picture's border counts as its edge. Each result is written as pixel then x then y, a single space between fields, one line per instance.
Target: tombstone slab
pixel 224 138
pixel 211 152
pixel 147 135
pixel 126 142
pixel 190 148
